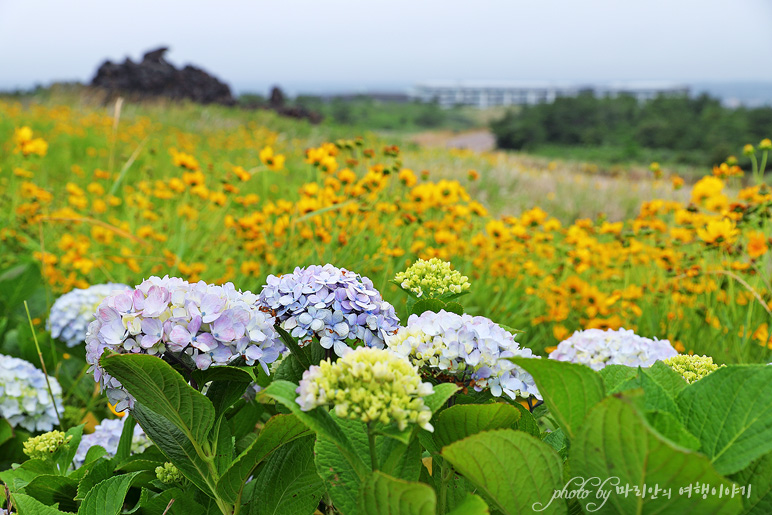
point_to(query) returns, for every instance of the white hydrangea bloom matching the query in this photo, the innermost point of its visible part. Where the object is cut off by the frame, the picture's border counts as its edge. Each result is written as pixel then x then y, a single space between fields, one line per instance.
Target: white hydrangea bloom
pixel 24 397
pixel 596 349
pixel 73 312
pixel 470 349
pixel 108 435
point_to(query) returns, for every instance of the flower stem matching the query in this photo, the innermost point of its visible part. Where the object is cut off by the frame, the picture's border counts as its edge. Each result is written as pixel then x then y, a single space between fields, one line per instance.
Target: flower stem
pixel 371 443
pixel 43 365
pixel 446 472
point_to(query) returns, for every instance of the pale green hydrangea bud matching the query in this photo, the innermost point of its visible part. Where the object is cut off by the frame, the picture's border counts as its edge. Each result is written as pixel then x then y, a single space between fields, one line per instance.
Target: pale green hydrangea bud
pixel 433 278
pixel 168 474
pixel 42 446
pixel 692 368
pixel 371 385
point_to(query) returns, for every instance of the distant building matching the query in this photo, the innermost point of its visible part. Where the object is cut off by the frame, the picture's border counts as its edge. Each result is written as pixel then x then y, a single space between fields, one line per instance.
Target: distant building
pixel 378 96
pixel 492 94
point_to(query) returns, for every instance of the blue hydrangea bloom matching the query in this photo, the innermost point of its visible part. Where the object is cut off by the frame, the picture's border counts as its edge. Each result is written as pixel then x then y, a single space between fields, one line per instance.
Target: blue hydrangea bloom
pixel 24 397
pixel 107 435
pixel 467 349
pixel 73 312
pixel 331 304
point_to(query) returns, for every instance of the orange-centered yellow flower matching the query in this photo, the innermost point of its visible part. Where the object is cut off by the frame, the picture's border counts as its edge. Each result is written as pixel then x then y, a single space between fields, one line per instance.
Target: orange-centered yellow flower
pixel 716 232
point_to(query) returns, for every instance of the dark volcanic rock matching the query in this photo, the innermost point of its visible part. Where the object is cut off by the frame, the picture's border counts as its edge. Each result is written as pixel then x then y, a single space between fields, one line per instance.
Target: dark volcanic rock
pixel 156 77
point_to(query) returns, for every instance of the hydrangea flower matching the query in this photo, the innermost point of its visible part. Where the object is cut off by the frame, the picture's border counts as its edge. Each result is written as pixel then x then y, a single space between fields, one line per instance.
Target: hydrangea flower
pixel 209 325
pixel 471 350
pixel 330 303
pixel 73 312
pixel 596 349
pixel 433 278
pixel 42 446
pixel 24 397
pixel 169 474
pixel 692 368
pixel 108 435
pixel 371 385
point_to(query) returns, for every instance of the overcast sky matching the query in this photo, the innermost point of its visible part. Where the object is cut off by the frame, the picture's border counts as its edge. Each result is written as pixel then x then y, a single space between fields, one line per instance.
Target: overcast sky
pixel 334 44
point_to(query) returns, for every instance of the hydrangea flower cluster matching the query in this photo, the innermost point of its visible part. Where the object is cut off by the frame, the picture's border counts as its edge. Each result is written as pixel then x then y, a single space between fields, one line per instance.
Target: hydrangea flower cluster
pixel 371 385
pixel 73 312
pixel 169 474
pixel 433 278
pixel 472 350
pixel 692 368
pixel 42 446
pixel 108 435
pixel 24 397
pixel 211 325
pixel 596 349
pixel 330 303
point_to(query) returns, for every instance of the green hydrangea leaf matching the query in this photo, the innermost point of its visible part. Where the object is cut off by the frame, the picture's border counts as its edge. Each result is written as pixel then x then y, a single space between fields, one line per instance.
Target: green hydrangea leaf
pixel 97 473
pixel 438 399
pixel 151 503
pixel 527 422
pixel 617 444
pixel 758 474
pixel 6 431
pixel 471 505
pixel 27 505
pixel 174 444
pixel 513 470
pixel 107 497
pixel 278 431
pixel 671 428
pixel 155 384
pixel 730 412
pixel 385 495
pixel 460 421
pixel 615 376
pixel 569 390
pixel 454 307
pixel 341 479
pixel 288 483
pixel 52 489
pixel 421 305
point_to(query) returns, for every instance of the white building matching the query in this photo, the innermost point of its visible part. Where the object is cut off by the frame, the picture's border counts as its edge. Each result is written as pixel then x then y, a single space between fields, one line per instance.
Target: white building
pixel 491 94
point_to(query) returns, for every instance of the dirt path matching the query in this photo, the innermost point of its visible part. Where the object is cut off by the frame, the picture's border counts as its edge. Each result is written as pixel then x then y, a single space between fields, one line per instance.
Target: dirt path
pixel 477 140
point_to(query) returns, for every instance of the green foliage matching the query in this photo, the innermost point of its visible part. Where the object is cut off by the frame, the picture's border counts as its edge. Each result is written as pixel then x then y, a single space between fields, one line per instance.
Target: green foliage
pixel 368 114
pixel 617 444
pixel 759 474
pixel 730 411
pixel 280 430
pixel 512 469
pixel 288 482
pixel 156 385
pixel 686 130
pixel 384 495
pixel 628 427
pixel 653 430
pixel 569 390
pixel 106 498
pixel 458 422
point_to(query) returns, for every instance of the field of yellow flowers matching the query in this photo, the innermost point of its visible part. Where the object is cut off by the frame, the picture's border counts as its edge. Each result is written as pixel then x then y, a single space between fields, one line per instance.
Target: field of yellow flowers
pixel 94 195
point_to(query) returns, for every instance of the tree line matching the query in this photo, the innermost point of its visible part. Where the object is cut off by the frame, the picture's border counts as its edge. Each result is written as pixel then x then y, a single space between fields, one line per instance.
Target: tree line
pixel 696 130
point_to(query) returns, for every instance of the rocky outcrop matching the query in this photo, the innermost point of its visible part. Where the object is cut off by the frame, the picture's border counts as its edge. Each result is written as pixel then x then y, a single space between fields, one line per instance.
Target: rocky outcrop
pixel 155 77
